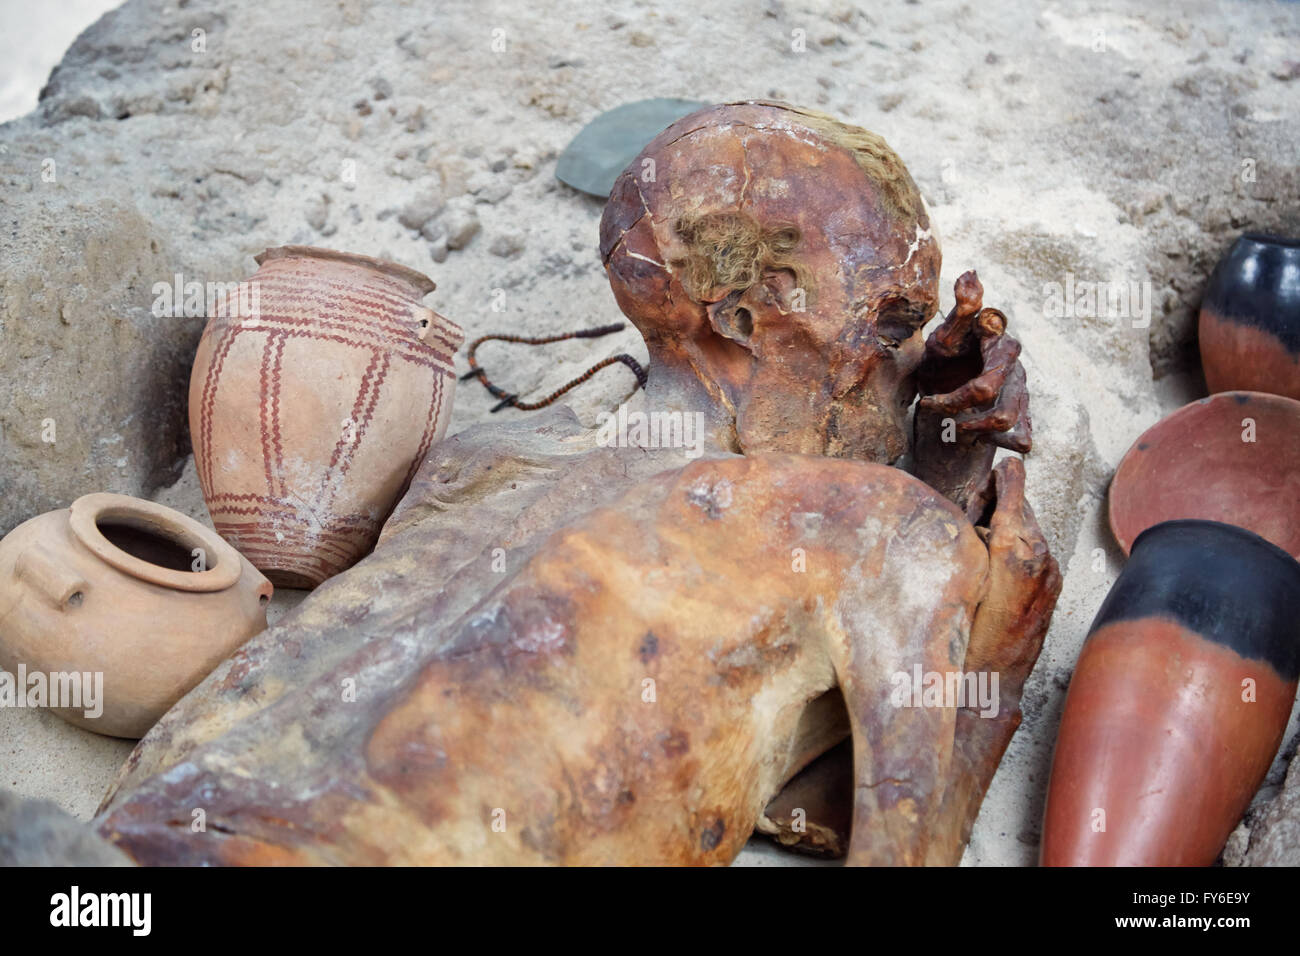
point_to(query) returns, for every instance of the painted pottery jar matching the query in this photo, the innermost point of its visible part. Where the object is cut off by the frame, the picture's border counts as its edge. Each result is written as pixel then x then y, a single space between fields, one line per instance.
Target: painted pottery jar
pixel 1179 700
pixel 119 606
pixel 1250 318
pixel 1233 457
pixel 317 391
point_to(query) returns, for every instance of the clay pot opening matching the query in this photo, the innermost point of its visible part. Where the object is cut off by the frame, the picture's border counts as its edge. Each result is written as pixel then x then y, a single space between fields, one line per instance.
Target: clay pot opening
pixel 163 549
pixel 420 283
pixel 1268 239
pixel 154 543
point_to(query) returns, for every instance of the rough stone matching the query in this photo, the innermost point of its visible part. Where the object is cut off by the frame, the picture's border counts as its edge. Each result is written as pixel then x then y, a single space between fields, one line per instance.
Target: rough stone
pixel 1274 840
pixel 38 833
pixel 95 383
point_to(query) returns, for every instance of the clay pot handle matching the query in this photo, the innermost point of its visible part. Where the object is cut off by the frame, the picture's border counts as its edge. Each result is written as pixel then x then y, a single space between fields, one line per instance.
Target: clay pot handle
pixel 424 321
pixel 58 585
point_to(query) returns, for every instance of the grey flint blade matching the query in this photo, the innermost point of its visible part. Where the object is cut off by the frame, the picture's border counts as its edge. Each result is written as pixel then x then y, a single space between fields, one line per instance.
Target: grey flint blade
pixel 604 147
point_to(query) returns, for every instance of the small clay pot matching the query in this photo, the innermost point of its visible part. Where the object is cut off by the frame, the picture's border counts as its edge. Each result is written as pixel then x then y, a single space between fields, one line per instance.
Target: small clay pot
pixel 109 586
pixel 1250 318
pixel 1233 457
pixel 310 417
pixel 1179 700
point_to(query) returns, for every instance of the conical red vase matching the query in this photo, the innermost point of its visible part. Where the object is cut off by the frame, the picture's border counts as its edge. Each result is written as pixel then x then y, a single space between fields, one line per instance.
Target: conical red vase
pixel 1178 702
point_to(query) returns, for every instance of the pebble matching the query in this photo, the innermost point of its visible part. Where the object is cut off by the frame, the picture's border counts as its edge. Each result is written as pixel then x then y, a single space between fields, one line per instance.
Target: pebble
pixel 419 211
pixel 434 230
pixel 494 192
pixel 462 226
pixel 488 188
pixel 318 212
pixel 507 244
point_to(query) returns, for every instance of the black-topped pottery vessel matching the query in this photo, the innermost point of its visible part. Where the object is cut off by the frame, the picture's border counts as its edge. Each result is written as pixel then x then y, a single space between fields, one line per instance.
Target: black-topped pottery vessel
pixel 1179 700
pixel 1250 318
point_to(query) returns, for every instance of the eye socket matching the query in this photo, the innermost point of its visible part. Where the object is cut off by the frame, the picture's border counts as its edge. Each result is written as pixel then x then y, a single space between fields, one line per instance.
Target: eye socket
pixel 897 322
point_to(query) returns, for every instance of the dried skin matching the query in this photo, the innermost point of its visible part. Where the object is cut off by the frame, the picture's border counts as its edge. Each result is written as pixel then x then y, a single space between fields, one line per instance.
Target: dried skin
pixel 974 400
pixel 533 704
pixel 1006 638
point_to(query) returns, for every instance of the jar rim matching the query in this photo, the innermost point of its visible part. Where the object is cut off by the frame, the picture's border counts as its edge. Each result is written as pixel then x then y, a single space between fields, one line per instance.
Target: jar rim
pixel 422 284
pixel 1223 529
pixel 1271 239
pixel 88 510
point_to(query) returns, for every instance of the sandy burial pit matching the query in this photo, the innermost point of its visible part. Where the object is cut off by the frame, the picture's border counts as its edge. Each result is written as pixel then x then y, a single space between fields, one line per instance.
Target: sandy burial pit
pixel 1065 150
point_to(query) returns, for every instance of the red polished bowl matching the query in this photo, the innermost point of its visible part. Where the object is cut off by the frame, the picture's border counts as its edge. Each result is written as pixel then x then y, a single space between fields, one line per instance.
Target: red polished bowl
pixel 1194 463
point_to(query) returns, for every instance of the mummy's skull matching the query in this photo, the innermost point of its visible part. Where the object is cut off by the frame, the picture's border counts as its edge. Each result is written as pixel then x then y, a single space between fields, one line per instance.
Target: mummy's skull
pixel 785 260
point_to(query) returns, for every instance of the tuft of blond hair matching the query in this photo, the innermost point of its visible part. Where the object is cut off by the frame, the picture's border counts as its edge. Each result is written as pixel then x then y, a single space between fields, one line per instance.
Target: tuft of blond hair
pixel 728 251
pixel 731 251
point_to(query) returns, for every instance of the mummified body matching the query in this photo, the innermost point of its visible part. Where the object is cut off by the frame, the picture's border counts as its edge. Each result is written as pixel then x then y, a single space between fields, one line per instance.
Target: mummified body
pixel 561 652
